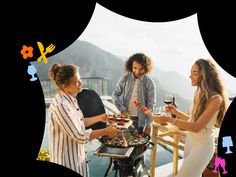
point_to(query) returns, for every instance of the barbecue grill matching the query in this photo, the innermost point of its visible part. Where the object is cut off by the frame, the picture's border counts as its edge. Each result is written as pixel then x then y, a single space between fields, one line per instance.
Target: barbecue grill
pixel 126 161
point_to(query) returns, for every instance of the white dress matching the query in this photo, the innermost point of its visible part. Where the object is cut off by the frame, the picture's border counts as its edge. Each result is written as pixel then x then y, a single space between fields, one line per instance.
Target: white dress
pixel 199 149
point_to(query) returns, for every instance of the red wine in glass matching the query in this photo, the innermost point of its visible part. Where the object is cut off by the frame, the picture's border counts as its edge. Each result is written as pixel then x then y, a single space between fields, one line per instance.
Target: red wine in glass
pixel 167 102
pixel 168 99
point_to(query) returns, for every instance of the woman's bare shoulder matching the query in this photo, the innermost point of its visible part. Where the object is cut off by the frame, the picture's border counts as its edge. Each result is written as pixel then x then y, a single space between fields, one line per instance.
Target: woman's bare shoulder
pixel 216 97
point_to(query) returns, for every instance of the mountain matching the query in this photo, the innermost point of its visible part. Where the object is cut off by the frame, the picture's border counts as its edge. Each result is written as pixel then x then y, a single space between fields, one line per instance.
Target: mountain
pixel 174 83
pixel 95 62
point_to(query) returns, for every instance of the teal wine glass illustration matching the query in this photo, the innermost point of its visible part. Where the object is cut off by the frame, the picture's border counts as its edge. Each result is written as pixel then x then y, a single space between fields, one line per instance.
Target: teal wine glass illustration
pixel 32 71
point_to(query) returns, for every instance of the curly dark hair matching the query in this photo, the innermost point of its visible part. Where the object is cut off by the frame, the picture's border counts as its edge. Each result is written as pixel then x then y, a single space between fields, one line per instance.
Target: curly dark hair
pixel 140 58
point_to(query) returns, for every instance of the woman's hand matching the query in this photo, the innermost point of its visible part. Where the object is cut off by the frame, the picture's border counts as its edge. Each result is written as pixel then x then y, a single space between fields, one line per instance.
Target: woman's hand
pixel 172 109
pixel 104 118
pixel 161 119
pixel 112 131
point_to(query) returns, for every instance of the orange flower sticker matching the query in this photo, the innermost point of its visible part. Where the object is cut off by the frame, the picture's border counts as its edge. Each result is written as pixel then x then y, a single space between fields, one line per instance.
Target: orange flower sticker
pixel 27 52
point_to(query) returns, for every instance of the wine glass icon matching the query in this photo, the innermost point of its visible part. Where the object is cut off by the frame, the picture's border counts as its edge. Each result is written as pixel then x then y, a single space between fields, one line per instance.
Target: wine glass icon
pixel 217 163
pixel 222 163
pixel 32 71
pixel 227 142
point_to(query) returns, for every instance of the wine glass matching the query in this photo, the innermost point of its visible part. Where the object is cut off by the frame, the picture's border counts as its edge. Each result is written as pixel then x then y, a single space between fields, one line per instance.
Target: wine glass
pixel 168 99
pixel 32 71
pixel 159 110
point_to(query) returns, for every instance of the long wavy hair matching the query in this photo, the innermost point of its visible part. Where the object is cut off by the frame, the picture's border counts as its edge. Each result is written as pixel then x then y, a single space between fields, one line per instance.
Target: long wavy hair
pixel 209 84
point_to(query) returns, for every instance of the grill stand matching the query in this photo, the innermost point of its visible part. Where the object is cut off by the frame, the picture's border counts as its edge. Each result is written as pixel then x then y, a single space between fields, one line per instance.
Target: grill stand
pixel 127 168
pixel 126 162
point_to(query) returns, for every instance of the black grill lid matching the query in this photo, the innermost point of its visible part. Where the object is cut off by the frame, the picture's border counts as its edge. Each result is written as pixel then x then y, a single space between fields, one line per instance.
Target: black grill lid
pixel 91 105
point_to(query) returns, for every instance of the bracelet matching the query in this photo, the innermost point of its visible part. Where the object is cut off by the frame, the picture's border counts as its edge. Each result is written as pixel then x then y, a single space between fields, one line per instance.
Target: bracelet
pixel 174 122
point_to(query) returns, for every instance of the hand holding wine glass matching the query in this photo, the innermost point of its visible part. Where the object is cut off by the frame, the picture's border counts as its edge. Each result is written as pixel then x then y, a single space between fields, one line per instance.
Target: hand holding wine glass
pixel 168 99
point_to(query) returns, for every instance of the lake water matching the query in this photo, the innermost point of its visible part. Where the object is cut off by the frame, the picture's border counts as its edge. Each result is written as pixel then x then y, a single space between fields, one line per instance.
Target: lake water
pixel 98 165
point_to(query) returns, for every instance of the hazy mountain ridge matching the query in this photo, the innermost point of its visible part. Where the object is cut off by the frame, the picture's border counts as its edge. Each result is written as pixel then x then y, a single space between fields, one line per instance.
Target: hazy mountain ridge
pixel 95 62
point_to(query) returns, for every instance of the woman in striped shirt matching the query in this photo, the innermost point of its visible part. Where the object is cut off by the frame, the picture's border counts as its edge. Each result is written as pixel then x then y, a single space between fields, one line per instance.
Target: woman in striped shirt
pixel 67 133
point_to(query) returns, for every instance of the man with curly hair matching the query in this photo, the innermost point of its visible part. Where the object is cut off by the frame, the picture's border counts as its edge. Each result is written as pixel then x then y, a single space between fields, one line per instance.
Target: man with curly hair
pixel 136 84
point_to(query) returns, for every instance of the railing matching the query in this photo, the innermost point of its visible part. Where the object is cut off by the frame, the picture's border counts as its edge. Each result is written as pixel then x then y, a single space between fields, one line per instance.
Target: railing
pixel 109 105
pixel 157 135
pixel 106 100
pixel 100 85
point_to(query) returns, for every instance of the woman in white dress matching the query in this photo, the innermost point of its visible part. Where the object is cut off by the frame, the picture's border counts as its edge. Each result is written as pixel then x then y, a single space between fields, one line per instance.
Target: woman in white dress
pixel 67 134
pixel 207 111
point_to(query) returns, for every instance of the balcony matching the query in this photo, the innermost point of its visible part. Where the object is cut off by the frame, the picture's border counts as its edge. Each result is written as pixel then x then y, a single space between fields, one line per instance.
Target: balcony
pixel 99 84
pixel 172 139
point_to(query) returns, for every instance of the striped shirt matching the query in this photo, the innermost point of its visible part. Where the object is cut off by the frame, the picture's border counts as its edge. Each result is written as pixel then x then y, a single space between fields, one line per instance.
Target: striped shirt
pixel 67 134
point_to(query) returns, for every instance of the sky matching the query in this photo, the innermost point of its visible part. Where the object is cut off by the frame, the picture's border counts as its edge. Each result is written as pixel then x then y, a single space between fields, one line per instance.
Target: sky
pixel 173 46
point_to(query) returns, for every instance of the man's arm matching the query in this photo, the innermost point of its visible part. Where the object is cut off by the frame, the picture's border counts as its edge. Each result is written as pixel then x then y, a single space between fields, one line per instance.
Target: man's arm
pixel 150 98
pixel 117 93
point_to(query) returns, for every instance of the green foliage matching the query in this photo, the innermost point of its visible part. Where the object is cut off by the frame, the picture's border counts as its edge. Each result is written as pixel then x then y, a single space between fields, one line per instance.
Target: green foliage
pixel 43 155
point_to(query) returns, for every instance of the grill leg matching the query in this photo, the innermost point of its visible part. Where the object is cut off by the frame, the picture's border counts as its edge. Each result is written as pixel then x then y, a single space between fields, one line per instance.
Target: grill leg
pixel 116 172
pixel 110 167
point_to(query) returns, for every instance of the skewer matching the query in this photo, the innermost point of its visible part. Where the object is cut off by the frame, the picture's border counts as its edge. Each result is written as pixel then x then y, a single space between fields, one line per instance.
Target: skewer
pixel 125 141
pixel 145 109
